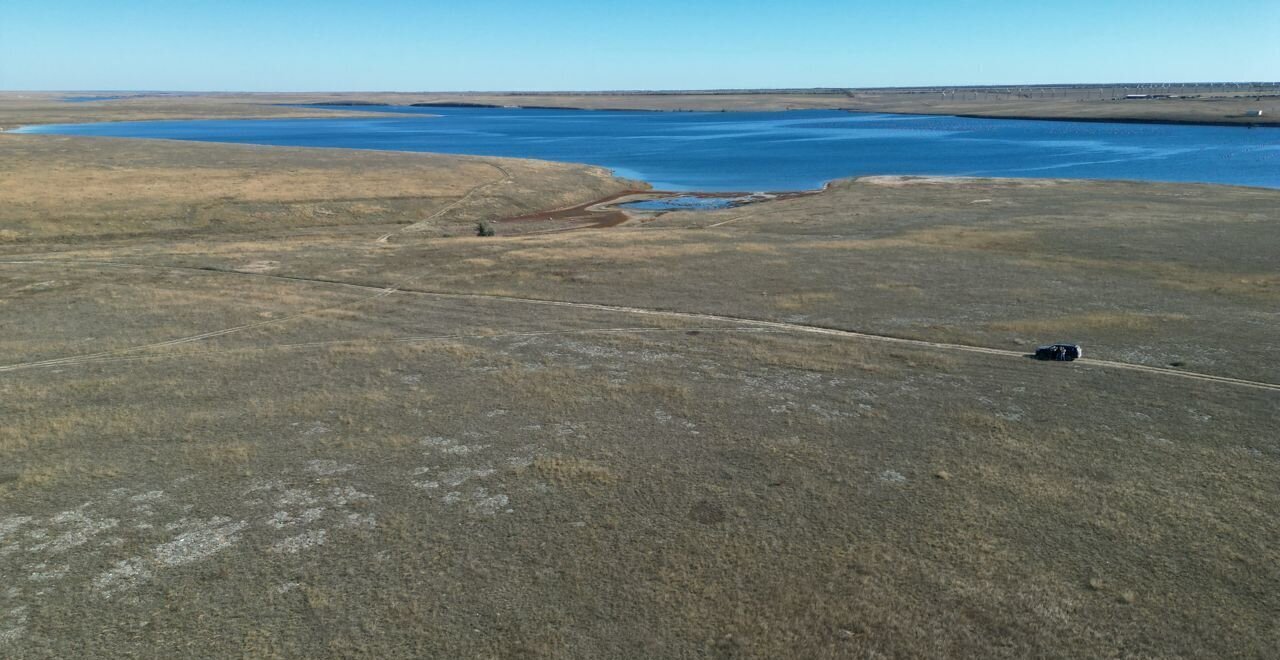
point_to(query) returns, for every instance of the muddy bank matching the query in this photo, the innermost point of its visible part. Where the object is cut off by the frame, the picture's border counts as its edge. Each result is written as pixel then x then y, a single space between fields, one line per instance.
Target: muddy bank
pixel 590 215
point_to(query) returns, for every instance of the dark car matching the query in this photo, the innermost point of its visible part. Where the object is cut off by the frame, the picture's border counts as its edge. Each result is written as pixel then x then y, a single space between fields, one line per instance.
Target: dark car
pixel 1059 352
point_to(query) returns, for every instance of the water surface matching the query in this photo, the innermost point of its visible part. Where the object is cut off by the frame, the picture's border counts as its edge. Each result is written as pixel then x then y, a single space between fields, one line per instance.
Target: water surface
pixel 89 99
pixel 773 151
pixel 684 203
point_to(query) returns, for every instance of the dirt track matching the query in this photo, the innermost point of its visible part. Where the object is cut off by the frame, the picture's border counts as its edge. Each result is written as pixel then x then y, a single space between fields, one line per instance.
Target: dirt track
pixel 380 292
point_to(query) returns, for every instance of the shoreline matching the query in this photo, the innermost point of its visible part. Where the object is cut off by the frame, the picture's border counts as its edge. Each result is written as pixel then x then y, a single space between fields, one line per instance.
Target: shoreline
pixel 22 130
pixel 693 193
pixel 1127 120
pixel 1262 123
pixel 1192 103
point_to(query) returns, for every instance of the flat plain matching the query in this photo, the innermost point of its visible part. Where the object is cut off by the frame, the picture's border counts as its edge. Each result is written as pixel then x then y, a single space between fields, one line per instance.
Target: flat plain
pixel 284 403
pixel 1208 105
pixel 1227 104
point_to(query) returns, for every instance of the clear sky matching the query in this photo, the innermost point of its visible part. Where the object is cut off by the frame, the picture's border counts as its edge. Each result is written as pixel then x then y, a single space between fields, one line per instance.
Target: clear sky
pixel 404 45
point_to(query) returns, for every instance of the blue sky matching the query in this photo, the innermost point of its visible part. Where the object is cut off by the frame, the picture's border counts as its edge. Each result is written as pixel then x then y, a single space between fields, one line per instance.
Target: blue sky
pixel 290 45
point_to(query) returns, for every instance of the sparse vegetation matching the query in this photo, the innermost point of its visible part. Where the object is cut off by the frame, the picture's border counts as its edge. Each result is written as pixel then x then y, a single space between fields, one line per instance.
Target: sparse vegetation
pixel 283 442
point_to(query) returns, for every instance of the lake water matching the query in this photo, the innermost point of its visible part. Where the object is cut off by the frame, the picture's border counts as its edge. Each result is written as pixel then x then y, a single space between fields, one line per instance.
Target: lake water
pixel 89 99
pixel 685 203
pixel 767 151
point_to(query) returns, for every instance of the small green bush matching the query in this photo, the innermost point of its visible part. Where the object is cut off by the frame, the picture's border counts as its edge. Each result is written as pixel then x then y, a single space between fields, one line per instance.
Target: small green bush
pixel 484 228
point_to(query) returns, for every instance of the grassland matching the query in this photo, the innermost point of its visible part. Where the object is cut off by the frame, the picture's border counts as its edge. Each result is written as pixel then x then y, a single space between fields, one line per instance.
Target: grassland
pixel 75 189
pixel 236 425
pixel 27 108
pixel 1194 106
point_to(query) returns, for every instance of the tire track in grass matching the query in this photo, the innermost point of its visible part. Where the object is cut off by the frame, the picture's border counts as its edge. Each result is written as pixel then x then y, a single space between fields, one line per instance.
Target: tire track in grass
pixel 380 293
pixel 622 309
pixel 505 178
pixel 410 339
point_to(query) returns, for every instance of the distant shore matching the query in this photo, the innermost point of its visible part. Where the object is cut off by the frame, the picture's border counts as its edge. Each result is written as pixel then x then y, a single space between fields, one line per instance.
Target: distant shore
pixel 1201 104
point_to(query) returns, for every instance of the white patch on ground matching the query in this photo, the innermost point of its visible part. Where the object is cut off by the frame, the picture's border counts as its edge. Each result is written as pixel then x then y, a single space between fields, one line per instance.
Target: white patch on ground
pixel 459 476
pixel 181 523
pixel 598 352
pixel 451 447
pixel 565 429
pixel 84 526
pixel 282 519
pixel 486 504
pixel 293 514
pixel 892 476
pixel 826 414
pixel 13 624
pixel 126 575
pixel 287 587
pixel 479 501
pixel 149 496
pixel 265 484
pixel 346 495
pixel 10 524
pixel 42 571
pixel 662 416
pixel 38 286
pixel 458 480
pixel 327 467
pixel 215 535
pixel 520 462
pixel 262 266
pixel 296 497
pixel 361 521
pixel 296 544
pixel 316 429
pixel 200 540
pixel 300 511
pixel 1199 416
pixel 296 512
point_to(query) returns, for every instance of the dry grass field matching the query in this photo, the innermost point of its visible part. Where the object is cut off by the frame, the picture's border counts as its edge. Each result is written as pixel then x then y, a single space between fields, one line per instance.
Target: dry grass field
pixel 75 189
pixel 25 108
pixel 1102 104
pixel 234 425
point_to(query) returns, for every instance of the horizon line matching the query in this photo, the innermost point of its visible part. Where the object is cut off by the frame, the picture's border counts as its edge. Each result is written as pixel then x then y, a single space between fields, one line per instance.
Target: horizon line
pixel 691 90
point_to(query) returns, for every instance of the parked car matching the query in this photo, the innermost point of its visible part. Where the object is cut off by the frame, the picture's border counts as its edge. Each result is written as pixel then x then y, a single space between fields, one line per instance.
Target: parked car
pixel 1059 352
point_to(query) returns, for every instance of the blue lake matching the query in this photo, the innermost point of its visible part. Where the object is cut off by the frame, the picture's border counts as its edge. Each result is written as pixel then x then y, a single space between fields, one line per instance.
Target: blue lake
pixel 766 151
pixel 89 99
